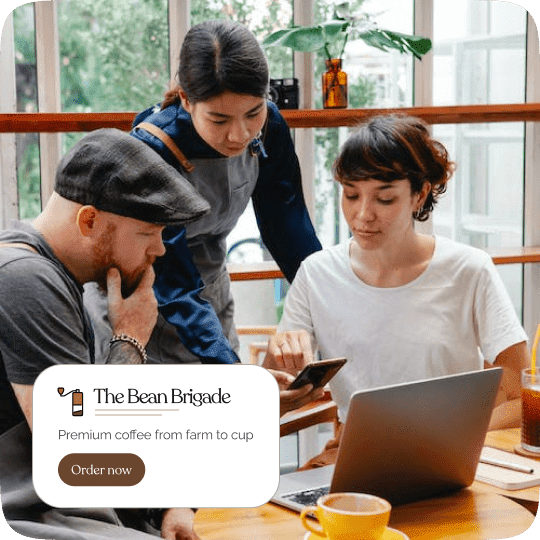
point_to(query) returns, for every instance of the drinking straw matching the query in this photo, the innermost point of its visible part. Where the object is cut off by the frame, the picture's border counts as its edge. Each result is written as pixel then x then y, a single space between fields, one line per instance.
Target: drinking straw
pixel 533 352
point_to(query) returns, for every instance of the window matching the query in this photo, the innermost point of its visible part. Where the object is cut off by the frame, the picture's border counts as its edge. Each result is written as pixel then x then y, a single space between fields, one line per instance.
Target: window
pixel 479 56
pixel 113 55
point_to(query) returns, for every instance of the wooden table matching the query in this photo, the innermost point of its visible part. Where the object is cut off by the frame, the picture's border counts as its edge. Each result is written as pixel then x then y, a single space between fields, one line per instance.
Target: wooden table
pixel 480 512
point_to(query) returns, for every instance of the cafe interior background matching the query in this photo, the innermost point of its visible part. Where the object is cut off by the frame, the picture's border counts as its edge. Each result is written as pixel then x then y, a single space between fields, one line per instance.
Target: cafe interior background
pixel 99 56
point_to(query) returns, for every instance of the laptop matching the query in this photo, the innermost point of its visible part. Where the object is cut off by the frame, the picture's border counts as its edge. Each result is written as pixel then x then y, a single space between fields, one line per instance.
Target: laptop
pixel 405 442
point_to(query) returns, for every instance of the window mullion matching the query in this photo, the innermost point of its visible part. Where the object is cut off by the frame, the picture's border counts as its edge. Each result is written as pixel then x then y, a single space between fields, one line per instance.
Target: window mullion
pixel 531 278
pixel 305 138
pixel 8 104
pixel 48 80
pixel 423 75
pixel 308 440
pixel 179 24
pixel 423 69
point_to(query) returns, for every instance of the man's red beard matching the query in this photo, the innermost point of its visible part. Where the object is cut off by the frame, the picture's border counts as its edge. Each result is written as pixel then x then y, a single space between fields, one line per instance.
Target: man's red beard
pixel 103 260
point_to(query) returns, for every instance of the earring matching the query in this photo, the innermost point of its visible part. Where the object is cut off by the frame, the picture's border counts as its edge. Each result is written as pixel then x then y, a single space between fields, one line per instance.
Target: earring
pixel 417 213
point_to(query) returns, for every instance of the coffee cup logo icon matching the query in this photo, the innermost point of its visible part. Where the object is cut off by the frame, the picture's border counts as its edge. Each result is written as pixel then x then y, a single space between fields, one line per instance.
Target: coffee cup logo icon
pixel 76 401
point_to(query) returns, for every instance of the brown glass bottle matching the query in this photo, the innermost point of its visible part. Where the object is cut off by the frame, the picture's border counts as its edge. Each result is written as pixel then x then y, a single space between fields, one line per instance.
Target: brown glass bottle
pixel 334 85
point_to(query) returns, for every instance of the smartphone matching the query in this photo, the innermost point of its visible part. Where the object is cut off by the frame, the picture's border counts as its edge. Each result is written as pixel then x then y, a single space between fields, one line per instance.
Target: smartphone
pixel 317 373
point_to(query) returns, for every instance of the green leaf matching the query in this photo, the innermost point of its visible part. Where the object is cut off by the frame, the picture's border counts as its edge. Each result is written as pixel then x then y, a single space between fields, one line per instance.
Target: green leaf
pixel 308 39
pixel 275 36
pixel 386 39
pixel 418 45
pixel 333 29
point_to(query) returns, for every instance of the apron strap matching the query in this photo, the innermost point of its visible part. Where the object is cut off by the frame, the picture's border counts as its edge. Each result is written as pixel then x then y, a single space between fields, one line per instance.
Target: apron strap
pixel 168 142
pixel 20 245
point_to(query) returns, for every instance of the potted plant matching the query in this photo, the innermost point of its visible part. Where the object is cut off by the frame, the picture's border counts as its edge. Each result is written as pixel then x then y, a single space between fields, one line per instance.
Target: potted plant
pixel 331 38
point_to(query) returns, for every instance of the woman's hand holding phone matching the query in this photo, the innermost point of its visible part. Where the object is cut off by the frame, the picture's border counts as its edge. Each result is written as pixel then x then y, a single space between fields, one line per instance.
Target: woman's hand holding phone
pixel 289 353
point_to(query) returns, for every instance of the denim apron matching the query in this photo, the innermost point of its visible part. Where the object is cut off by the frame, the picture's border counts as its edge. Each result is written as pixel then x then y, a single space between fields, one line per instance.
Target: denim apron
pixel 227 184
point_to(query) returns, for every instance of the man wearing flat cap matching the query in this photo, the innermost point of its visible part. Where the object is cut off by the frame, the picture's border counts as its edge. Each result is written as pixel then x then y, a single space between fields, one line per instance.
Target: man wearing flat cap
pixel 113 196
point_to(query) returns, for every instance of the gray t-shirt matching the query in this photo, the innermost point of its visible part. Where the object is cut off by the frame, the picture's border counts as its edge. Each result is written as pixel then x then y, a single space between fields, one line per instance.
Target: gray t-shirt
pixel 42 318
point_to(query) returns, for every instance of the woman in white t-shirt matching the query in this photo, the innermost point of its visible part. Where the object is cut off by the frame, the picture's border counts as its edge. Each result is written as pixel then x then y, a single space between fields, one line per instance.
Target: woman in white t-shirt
pixel 399 305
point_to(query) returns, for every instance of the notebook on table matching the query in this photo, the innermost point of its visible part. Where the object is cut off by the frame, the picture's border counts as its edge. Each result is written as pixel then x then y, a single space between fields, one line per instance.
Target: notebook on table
pixel 504 477
pixel 405 442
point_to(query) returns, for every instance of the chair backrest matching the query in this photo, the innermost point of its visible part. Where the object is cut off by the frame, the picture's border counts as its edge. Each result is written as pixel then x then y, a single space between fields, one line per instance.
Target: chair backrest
pixel 256 347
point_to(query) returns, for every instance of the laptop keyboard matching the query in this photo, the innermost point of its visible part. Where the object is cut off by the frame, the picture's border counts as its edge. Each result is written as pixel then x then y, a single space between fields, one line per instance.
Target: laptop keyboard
pixel 307 497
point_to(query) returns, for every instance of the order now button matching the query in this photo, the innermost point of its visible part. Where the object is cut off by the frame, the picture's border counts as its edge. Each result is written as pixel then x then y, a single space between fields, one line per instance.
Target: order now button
pixel 101 469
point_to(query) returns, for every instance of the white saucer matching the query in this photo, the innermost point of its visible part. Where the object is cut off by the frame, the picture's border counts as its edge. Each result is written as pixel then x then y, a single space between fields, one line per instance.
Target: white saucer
pixel 389 534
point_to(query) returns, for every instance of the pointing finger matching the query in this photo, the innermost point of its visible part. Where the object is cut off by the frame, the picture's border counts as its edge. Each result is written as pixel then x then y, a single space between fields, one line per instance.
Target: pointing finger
pixel 114 283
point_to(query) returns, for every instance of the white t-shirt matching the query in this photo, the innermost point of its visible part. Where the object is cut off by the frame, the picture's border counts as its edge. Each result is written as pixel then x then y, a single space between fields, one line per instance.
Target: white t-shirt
pixel 448 320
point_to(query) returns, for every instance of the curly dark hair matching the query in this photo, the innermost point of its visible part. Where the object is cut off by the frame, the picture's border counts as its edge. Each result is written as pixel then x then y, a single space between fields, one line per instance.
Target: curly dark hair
pixel 396 147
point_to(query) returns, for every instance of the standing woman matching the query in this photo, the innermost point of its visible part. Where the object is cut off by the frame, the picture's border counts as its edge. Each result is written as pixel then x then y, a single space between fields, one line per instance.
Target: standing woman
pixel 218 129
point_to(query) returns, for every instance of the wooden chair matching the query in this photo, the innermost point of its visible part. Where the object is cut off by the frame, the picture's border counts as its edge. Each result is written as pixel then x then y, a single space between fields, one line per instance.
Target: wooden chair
pixel 317 412
pixel 257 347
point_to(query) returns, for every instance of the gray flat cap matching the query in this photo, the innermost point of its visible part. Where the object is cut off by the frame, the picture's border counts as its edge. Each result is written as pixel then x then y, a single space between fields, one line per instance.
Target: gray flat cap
pixel 117 173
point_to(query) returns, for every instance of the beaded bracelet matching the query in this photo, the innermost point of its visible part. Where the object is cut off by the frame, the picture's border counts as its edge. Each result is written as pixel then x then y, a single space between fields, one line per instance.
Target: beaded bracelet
pixel 133 341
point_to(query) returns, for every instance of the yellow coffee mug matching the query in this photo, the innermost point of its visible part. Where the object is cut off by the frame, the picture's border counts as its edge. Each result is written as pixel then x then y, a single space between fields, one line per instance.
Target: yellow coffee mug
pixel 349 516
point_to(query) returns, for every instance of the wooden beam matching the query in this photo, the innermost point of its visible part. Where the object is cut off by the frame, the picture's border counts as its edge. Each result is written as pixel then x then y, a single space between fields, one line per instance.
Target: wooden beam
pixel 251 271
pixel 63 122
pixel 515 255
pixel 296 118
pixel 459 114
pixel 270 270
